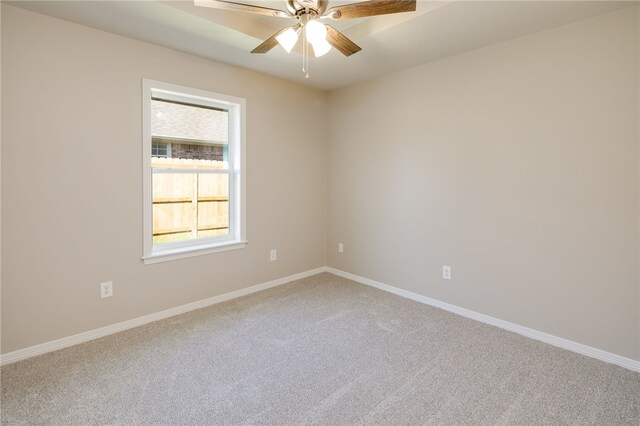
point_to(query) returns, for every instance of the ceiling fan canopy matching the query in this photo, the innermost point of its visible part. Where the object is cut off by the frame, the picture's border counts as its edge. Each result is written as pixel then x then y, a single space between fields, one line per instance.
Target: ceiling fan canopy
pixel 308 13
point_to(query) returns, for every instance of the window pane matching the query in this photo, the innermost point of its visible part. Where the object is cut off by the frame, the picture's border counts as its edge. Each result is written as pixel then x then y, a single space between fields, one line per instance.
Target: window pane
pixel 196 132
pixel 187 206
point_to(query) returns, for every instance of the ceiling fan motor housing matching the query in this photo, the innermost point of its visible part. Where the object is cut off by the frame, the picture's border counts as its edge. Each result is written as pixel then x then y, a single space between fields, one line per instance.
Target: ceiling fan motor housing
pixel 297 7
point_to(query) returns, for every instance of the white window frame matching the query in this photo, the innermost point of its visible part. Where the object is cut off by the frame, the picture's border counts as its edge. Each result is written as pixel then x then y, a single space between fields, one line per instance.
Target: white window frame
pixel 236 239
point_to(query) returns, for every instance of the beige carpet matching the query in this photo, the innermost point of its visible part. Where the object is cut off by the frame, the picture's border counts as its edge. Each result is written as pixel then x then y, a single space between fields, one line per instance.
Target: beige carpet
pixel 323 350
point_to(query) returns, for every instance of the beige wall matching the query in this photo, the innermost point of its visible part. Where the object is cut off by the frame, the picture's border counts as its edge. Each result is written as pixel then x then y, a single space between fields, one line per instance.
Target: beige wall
pixel 72 180
pixel 516 164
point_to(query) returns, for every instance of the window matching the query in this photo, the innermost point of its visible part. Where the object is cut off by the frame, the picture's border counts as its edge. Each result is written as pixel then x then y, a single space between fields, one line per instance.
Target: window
pixel 160 150
pixel 193 162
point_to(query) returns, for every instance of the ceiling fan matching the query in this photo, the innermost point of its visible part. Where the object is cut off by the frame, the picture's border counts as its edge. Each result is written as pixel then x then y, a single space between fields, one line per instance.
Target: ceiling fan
pixel 308 14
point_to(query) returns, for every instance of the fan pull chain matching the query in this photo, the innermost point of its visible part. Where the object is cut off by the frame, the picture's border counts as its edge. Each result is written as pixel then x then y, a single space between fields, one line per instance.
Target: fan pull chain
pixel 304 43
pixel 307 58
pixel 305 50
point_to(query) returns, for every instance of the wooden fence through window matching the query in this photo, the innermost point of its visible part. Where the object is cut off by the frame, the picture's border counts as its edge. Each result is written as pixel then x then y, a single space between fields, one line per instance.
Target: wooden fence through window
pixel 189 202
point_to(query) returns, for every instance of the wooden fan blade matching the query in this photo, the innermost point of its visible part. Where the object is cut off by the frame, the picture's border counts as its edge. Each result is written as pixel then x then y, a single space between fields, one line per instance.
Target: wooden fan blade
pixel 269 43
pixel 240 7
pixel 371 8
pixel 341 42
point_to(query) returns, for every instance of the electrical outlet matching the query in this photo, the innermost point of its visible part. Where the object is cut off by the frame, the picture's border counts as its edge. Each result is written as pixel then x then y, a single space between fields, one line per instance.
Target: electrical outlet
pixel 340 248
pixel 273 255
pixel 106 289
pixel 446 272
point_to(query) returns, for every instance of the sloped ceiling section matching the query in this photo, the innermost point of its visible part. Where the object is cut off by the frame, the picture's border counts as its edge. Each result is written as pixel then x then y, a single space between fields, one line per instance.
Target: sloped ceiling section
pixel 436 30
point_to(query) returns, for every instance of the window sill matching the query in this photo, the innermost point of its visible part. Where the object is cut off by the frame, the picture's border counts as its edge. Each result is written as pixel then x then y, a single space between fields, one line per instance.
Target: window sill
pixel 191 251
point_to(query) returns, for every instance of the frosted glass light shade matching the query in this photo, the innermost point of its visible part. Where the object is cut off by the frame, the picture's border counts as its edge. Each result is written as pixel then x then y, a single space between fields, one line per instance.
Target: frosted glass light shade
pixel 321 47
pixel 288 39
pixel 315 32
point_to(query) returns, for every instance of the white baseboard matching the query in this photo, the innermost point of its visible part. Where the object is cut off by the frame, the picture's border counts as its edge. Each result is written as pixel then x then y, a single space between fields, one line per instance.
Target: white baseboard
pixel 528 332
pixel 64 342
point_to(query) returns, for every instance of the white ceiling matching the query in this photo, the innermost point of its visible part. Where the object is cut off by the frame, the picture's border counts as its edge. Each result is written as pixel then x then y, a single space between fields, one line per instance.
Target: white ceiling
pixel 389 43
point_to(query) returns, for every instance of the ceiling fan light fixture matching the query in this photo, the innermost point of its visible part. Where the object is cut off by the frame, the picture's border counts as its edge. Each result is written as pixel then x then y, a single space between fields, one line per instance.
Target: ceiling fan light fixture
pixel 315 31
pixel 288 39
pixel 321 48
